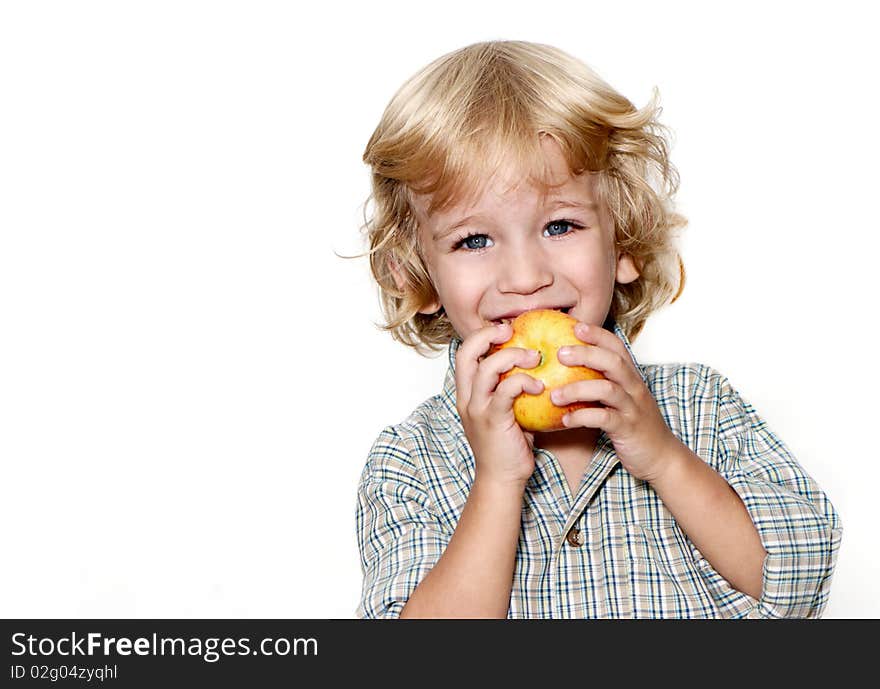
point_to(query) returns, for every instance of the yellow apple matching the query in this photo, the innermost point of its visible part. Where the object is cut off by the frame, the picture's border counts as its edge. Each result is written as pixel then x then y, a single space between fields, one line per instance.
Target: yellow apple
pixel 546 331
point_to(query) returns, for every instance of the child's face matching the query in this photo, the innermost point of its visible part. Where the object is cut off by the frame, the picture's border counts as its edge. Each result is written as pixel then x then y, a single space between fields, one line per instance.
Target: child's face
pixel 521 251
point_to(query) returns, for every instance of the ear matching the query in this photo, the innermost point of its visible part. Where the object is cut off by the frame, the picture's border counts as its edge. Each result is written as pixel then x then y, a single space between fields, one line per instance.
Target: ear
pixel 626 269
pixel 401 282
pixel 432 306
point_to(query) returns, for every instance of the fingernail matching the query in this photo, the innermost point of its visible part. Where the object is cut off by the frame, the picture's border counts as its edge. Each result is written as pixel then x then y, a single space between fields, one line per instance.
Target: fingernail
pixel 566 419
pixel 556 396
pixel 582 329
pixel 564 351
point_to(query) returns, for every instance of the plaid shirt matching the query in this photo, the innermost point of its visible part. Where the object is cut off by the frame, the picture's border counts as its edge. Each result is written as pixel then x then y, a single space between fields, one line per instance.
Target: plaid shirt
pixel 613 550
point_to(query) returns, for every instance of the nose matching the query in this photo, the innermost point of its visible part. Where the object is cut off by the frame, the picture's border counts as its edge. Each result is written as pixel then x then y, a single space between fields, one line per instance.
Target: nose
pixel 524 270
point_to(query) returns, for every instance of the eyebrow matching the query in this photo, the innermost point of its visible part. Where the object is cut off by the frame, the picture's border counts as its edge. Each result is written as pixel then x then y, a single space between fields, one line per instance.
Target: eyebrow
pixel 563 203
pixel 440 234
pixel 556 205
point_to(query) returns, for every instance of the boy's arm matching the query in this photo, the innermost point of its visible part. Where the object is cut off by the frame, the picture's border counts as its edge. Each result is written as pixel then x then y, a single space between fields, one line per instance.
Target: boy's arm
pixel 400 532
pixel 714 518
pixel 474 576
pixel 413 566
pixel 799 529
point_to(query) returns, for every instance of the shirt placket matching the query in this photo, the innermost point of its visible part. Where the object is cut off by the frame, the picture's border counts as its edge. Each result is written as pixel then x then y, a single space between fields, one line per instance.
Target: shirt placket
pixel 570 593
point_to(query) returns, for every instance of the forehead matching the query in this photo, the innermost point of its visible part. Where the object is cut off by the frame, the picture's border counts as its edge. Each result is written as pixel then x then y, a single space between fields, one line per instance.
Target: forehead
pixel 548 179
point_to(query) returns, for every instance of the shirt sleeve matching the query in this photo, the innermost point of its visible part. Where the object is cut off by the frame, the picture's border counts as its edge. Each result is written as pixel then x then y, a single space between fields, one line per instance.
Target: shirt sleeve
pixel 399 537
pixel 798 526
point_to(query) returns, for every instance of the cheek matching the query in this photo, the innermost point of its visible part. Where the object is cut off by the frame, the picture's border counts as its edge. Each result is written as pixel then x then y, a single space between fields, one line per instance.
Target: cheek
pixel 458 280
pixel 461 292
pixel 591 272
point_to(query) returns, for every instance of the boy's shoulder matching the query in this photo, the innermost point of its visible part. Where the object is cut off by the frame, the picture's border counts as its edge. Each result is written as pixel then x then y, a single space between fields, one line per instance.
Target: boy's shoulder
pixel 431 435
pixel 684 380
pixel 689 389
pixel 676 383
pixel 700 406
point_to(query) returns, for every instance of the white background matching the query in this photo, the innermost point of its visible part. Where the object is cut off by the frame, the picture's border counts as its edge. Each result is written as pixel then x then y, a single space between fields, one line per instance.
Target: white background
pixel 191 379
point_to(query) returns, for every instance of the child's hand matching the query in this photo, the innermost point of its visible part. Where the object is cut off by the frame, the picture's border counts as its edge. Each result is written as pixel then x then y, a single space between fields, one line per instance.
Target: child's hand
pixel 630 417
pixel 502 450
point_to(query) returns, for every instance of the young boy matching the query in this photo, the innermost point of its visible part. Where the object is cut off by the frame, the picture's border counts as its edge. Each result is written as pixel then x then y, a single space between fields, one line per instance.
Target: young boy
pixel 508 177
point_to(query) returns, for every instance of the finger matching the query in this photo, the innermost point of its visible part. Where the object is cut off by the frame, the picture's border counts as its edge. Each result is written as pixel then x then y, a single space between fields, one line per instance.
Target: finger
pixel 592 417
pixel 491 368
pixel 597 335
pixel 605 391
pixel 467 358
pixel 609 362
pixel 512 387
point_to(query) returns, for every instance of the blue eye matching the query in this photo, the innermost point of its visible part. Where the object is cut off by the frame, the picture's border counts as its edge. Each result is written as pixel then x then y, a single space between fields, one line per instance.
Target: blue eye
pixel 566 225
pixel 474 242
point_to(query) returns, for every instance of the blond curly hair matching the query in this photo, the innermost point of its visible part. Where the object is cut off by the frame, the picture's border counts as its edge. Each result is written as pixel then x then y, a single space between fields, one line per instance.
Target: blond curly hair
pixel 451 127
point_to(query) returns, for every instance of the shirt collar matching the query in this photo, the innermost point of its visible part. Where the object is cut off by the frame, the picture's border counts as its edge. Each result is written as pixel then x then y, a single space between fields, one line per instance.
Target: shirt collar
pixel 455 343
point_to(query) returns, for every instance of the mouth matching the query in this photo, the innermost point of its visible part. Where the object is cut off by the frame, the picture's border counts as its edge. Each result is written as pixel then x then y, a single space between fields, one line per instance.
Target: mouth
pixel 510 315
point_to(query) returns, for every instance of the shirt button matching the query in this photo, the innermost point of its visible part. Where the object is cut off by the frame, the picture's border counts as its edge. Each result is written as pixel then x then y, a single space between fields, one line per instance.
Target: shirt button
pixel 574 537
